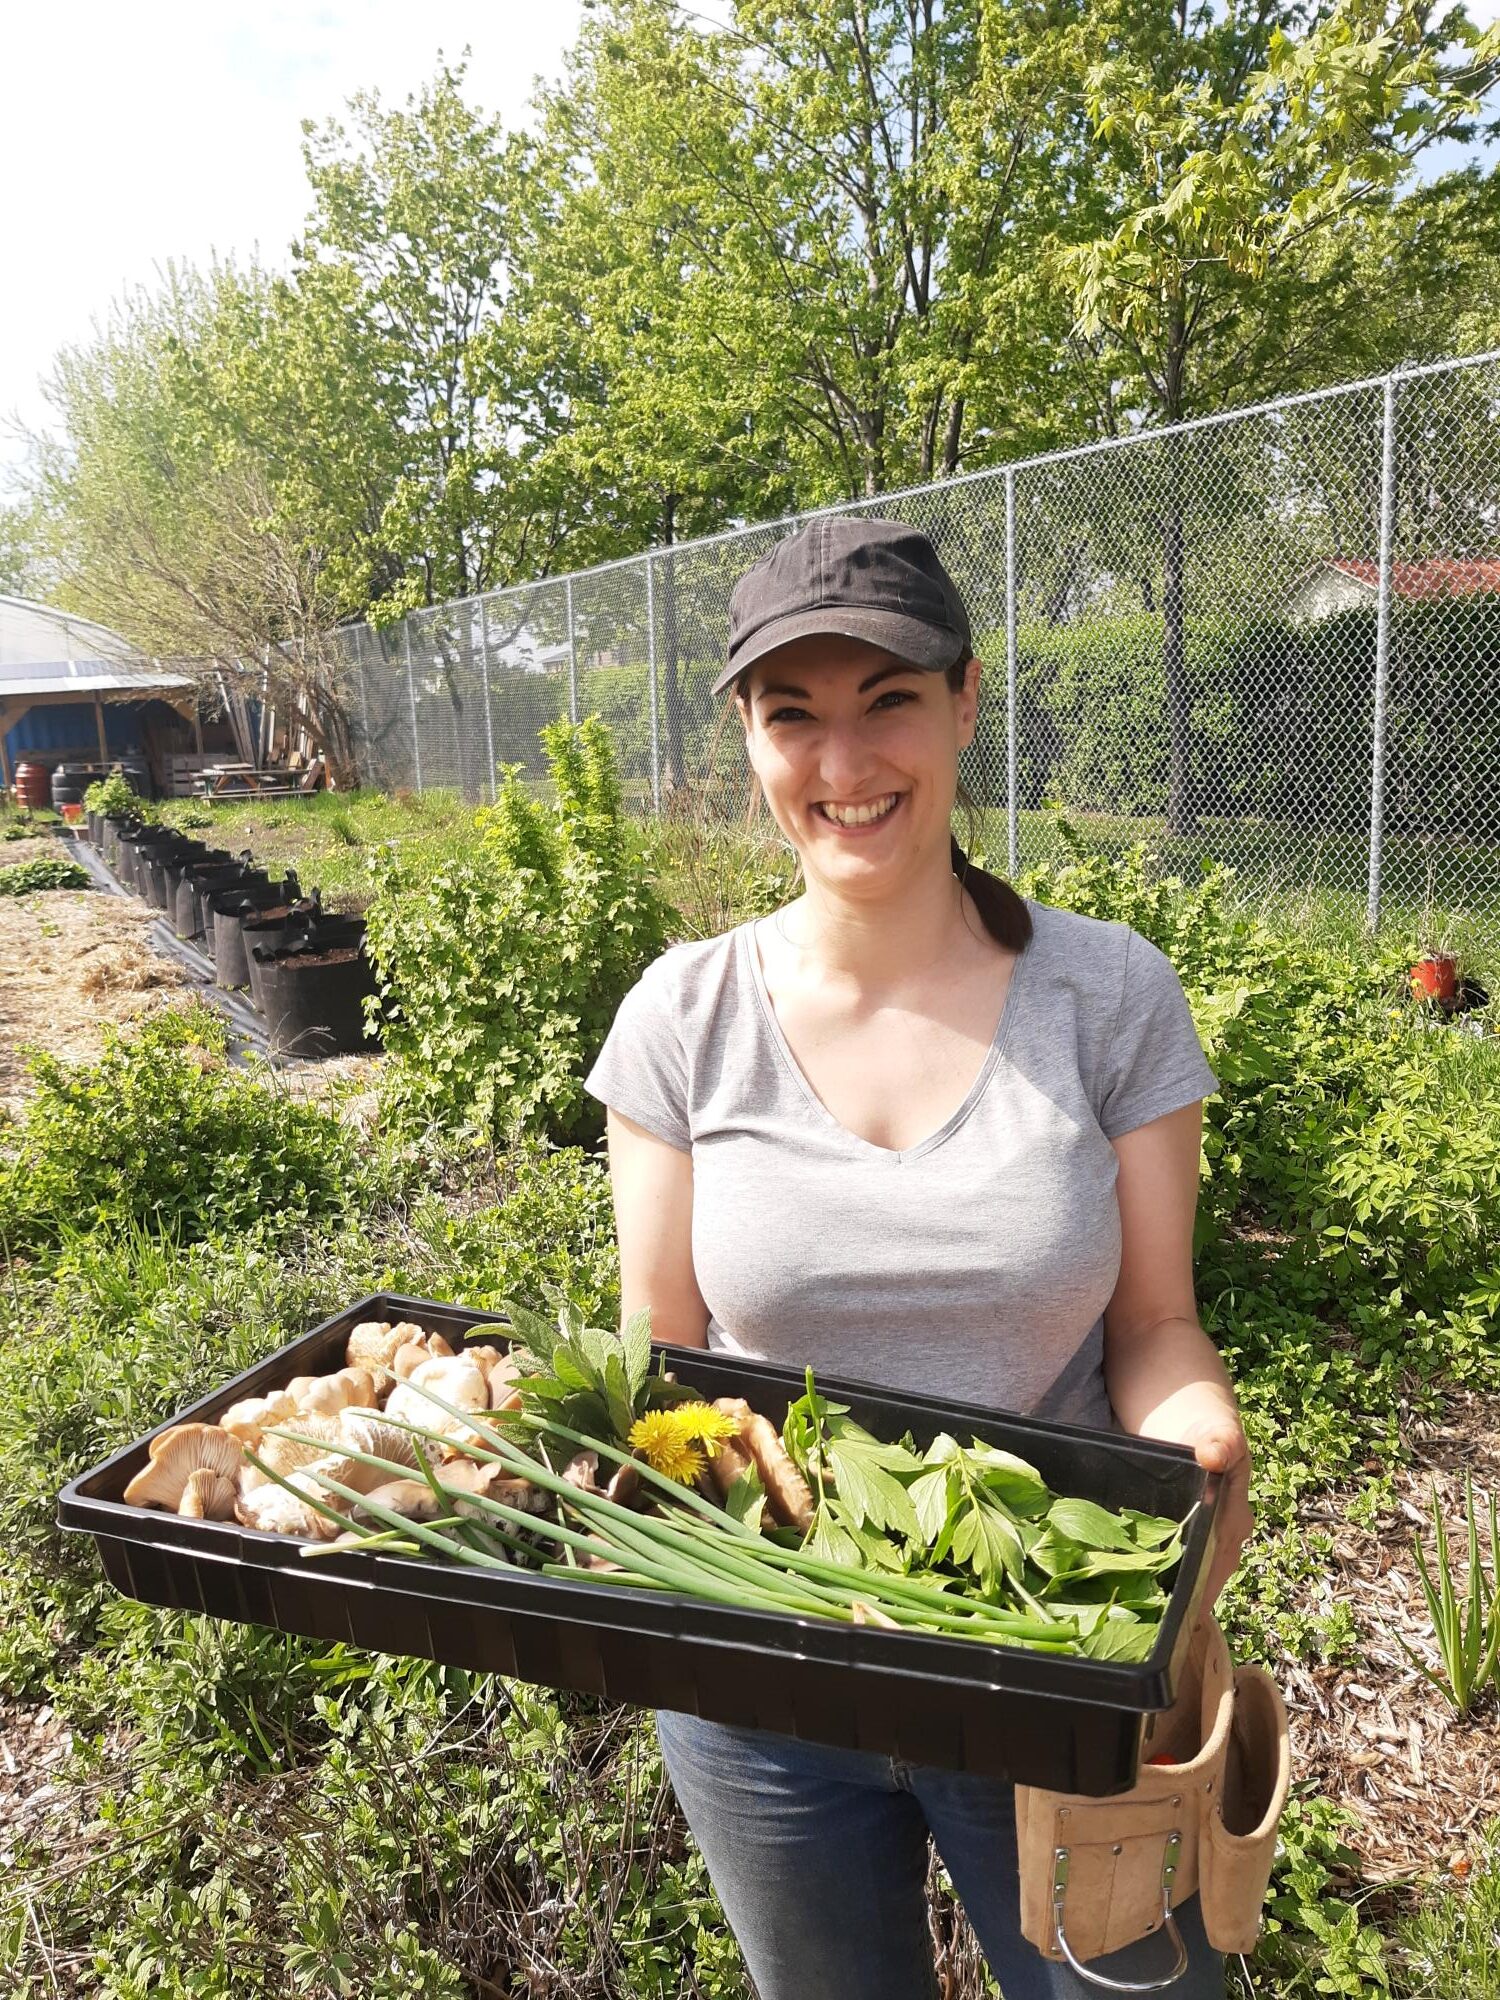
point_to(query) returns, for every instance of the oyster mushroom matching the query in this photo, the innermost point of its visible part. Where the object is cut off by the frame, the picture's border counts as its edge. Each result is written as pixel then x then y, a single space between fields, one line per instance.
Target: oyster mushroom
pixel 453 1377
pixel 249 1417
pixel 362 1430
pixel 308 1483
pixel 314 1435
pixel 208 1496
pixel 373 1342
pixel 582 1471
pixel 326 1395
pixel 501 1372
pixel 175 1456
pixel 624 1484
pixel 408 1358
pixel 412 1499
pixel 788 1495
pixel 274 1511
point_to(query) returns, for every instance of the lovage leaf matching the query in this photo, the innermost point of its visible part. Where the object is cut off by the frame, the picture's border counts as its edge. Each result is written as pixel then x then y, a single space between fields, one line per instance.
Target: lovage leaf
pixel 1084 1522
pixel 873 1495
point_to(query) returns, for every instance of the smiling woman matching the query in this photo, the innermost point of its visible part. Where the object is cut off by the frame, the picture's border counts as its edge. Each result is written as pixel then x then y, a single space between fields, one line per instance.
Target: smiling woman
pixel 919 1129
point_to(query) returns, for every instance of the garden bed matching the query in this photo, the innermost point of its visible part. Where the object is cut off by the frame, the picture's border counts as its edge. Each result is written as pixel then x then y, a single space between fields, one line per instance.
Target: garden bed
pixel 71 961
pixel 1376 1736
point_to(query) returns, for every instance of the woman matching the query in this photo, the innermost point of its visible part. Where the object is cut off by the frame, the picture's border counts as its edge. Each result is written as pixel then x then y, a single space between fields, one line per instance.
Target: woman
pixel 917 1130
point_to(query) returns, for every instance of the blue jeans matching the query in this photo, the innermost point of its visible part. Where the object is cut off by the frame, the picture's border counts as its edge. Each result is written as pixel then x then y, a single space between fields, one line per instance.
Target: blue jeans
pixel 819 1857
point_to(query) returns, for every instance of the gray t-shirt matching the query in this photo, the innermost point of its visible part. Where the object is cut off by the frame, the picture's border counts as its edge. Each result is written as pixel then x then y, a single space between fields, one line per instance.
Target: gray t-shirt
pixel 975 1265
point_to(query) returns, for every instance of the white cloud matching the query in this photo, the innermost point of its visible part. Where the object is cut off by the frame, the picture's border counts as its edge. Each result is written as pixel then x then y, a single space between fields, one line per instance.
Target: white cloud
pixel 167 130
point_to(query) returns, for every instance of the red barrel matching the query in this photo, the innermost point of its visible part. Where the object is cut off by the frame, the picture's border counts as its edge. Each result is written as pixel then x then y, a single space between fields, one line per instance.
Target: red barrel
pixel 33 786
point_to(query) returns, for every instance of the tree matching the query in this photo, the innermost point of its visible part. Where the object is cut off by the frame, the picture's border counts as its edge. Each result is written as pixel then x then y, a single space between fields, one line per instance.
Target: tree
pixel 162 520
pixel 1225 144
pixel 418 215
pixel 21 570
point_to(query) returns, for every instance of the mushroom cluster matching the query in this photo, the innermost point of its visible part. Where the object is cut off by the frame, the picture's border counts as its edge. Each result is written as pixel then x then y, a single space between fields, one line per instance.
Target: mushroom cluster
pixel 311 1429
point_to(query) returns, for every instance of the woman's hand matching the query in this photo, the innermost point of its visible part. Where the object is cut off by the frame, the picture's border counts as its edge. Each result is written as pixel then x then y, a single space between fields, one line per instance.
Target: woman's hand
pixel 1218 1442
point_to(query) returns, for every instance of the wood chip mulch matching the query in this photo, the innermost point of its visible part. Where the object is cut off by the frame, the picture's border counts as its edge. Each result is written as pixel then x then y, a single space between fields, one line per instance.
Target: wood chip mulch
pixel 1423 1780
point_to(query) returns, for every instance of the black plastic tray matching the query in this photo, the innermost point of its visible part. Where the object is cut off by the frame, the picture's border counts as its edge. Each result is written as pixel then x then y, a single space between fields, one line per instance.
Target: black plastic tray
pixel 1074 1724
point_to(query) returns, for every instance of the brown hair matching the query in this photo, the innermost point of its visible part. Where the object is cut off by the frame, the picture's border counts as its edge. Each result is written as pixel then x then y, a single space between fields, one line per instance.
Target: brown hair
pixel 1002 910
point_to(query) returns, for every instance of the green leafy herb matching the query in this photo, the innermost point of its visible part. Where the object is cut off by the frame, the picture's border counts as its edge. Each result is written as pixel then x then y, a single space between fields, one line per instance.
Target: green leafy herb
pixel 586 1377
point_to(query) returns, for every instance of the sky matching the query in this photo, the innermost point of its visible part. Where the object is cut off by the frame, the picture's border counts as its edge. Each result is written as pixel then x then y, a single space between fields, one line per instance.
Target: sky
pixel 132 136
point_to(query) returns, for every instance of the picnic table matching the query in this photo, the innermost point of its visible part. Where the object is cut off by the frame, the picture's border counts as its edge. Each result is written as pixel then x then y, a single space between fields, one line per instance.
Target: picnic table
pixel 251 781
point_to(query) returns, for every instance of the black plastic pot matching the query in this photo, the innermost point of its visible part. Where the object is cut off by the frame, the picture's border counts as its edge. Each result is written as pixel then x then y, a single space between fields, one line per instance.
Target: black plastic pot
pixel 192 916
pixel 152 865
pixel 1068 1723
pixel 313 991
pixel 70 781
pixel 112 826
pixel 194 854
pixel 266 931
pixel 135 847
pixel 230 908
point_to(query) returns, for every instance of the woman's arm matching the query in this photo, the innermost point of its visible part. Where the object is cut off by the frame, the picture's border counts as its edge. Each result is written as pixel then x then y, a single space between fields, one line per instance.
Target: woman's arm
pixel 1164 1375
pixel 653 1190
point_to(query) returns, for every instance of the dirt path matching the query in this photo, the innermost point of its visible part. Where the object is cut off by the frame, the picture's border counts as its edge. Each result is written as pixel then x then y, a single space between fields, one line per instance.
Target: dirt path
pixel 71 960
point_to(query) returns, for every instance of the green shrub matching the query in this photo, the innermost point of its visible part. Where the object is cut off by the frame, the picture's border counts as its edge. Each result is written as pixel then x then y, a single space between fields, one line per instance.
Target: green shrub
pixel 113 794
pixel 165 1132
pixel 1336 1120
pixel 501 971
pixel 1280 717
pixel 22 877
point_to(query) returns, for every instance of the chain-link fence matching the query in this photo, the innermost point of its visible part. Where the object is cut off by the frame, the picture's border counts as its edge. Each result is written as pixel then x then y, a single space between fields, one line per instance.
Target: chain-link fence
pixel 1271 637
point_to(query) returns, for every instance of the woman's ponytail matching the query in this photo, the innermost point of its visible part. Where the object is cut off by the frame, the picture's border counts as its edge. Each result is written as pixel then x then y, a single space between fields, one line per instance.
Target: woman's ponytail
pixel 1002 910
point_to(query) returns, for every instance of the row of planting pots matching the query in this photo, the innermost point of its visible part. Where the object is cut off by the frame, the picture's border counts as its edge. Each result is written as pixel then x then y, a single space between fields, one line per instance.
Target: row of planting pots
pixel 302 968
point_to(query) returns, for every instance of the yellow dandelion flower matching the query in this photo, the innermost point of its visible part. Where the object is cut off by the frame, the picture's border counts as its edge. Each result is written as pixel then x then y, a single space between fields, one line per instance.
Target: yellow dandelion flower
pixel 705 1425
pixel 676 1442
pixel 666 1447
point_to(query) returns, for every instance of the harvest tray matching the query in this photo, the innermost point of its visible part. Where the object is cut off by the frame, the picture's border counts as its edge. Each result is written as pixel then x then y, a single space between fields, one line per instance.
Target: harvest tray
pixel 1072 1724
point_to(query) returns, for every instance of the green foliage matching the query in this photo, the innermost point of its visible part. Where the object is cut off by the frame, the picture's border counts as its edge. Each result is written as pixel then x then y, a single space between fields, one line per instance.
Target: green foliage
pixel 163 1131
pixel 1335 1121
pixel 1466 1623
pixel 1449 1949
pixel 22 877
pixel 1315 1940
pixel 113 794
pixel 1280 713
pixel 588 1378
pixel 501 972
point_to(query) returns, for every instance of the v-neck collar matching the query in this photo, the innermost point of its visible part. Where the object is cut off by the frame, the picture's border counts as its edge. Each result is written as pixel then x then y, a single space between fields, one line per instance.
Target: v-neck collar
pixel 950 1125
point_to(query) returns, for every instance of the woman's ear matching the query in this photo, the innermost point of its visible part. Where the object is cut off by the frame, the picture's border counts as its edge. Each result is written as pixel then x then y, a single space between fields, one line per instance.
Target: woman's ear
pixel 968 705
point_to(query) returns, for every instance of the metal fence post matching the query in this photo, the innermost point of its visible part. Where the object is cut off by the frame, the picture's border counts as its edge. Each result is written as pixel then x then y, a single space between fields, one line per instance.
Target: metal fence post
pixel 651 665
pixel 572 661
pixel 366 755
pixel 484 661
pixel 1382 646
pixel 1012 820
pixel 411 695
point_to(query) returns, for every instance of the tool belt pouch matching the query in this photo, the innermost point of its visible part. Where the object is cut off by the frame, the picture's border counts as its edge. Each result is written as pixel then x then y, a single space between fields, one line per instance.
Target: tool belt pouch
pixel 1237 1842
pixel 1097 1874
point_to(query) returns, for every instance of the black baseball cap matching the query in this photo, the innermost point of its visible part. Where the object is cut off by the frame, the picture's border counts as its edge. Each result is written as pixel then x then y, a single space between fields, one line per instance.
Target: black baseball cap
pixel 859 577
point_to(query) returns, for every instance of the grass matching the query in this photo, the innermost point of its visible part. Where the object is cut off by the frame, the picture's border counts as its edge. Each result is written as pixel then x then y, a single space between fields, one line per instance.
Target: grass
pixel 715 864
pixel 329 837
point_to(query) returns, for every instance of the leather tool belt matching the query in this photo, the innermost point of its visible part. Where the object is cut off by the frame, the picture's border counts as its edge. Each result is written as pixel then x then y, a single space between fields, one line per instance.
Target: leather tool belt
pixel 1096 1874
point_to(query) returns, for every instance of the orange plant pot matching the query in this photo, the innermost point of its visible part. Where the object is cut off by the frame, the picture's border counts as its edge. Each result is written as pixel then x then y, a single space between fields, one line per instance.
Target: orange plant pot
pixel 1435 977
pixel 73 814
